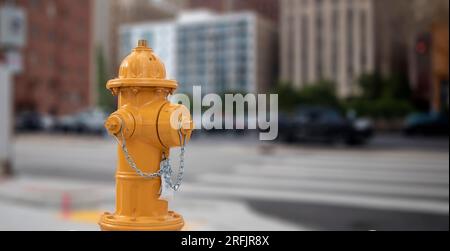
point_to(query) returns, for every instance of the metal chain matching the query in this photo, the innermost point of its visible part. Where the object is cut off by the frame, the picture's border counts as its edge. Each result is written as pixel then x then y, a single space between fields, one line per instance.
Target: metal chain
pixel 132 163
pixel 167 168
pixel 165 171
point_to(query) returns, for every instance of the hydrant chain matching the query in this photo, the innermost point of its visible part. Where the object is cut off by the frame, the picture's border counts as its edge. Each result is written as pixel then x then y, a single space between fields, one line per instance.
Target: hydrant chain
pixel 131 162
pixel 167 169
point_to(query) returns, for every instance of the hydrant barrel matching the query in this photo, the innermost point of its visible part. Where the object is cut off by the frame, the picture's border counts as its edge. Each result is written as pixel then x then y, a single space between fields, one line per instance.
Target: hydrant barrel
pixel 146 126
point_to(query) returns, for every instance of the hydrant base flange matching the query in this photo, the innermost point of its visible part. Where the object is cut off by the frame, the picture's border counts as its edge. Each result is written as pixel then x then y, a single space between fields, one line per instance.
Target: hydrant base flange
pixel 172 222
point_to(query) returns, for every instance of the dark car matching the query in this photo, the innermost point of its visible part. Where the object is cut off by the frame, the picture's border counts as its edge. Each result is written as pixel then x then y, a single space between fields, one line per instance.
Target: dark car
pixel 426 124
pixel 324 125
pixel 29 122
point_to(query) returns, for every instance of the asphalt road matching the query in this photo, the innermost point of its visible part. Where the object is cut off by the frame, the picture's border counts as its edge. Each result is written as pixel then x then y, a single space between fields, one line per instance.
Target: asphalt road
pixel 392 184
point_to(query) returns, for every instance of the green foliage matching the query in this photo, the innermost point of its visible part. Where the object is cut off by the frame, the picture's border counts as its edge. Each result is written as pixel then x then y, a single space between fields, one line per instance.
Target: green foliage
pixel 397 87
pixel 322 93
pixel 385 108
pixel 387 98
pixel 375 87
pixel 105 99
pixel 371 85
pixel 288 97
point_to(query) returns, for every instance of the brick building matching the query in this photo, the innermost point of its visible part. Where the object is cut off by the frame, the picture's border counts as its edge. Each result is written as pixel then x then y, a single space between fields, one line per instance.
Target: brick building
pixel 56 60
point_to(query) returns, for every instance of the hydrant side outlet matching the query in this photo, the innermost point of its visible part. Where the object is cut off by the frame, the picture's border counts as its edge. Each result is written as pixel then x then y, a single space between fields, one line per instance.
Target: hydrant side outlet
pixel 146 126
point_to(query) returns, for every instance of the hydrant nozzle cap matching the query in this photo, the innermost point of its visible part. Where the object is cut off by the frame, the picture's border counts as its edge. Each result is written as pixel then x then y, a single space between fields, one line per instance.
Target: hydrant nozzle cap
pixel 113 124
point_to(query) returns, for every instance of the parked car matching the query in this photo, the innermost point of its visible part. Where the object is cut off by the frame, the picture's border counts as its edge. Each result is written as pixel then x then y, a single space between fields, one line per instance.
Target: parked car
pixel 89 121
pixel 48 123
pixel 426 124
pixel 29 121
pixel 66 124
pixel 325 125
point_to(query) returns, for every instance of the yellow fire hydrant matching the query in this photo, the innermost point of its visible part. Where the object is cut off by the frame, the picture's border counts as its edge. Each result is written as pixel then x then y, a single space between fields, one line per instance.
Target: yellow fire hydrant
pixel 146 126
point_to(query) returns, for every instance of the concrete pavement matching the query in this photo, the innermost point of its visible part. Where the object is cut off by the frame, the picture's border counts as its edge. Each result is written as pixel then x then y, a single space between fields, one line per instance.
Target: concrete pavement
pixel 59 204
pixel 392 184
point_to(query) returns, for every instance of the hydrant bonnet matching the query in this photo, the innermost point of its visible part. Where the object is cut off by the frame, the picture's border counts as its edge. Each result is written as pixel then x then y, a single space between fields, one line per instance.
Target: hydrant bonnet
pixel 142 68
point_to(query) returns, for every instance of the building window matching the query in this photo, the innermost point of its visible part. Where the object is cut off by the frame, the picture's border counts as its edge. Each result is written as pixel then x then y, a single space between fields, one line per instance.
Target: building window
pixel 305 48
pixel 350 34
pixel 335 42
pixel 126 45
pixel 51 10
pixel 364 40
pixel 319 39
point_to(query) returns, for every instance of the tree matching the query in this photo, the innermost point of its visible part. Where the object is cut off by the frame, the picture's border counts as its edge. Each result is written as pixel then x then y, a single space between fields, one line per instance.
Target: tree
pixel 374 87
pixel 321 93
pixel 287 96
pixel 371 86
pixel 397 87
pixel 105 99
pixel 387 98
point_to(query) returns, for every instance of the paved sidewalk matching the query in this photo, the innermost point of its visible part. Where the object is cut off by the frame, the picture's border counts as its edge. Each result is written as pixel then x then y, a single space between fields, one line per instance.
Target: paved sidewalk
pixel 57 204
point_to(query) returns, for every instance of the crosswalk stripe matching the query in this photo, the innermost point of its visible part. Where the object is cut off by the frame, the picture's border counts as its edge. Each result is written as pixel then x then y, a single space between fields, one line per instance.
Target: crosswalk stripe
pixel 371 185
pixel 325 186
pixel 373 202
pixel 357 168
pixel 312 173
pixel 355 163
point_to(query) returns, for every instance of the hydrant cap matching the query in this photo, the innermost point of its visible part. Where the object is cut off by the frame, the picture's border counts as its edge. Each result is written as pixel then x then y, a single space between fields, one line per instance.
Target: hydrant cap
pixel 142 68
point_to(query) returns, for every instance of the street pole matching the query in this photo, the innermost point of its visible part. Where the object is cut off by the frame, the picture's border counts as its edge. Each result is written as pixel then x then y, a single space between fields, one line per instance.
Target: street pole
pixel 5 121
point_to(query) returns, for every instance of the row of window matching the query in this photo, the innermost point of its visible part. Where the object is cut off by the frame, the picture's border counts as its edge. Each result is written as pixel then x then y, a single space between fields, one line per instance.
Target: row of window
pixel 335 39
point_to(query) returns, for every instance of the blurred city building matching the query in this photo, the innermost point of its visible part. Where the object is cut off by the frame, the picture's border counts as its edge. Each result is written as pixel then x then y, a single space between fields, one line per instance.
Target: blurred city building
pixel 326 39
pixel 440 72
pixel 222 53
pixel 231 52
pixel 412 41
pixel 102 44
pixel 428 53
pixel 161 36
pixel 132 11
pixel 52 65
pixel 392 36
pixel 269 9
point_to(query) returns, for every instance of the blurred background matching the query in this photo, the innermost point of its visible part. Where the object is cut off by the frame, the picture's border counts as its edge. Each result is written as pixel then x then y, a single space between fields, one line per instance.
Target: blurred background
pixel 363 92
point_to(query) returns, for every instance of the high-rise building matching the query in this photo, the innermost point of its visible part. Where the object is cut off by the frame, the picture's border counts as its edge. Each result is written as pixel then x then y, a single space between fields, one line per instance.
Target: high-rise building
pixel 267 9
pixel 221 53
pixel 326 40
pixel 53 67
pixel 132 11
pixel 231 52
pixel 161 37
